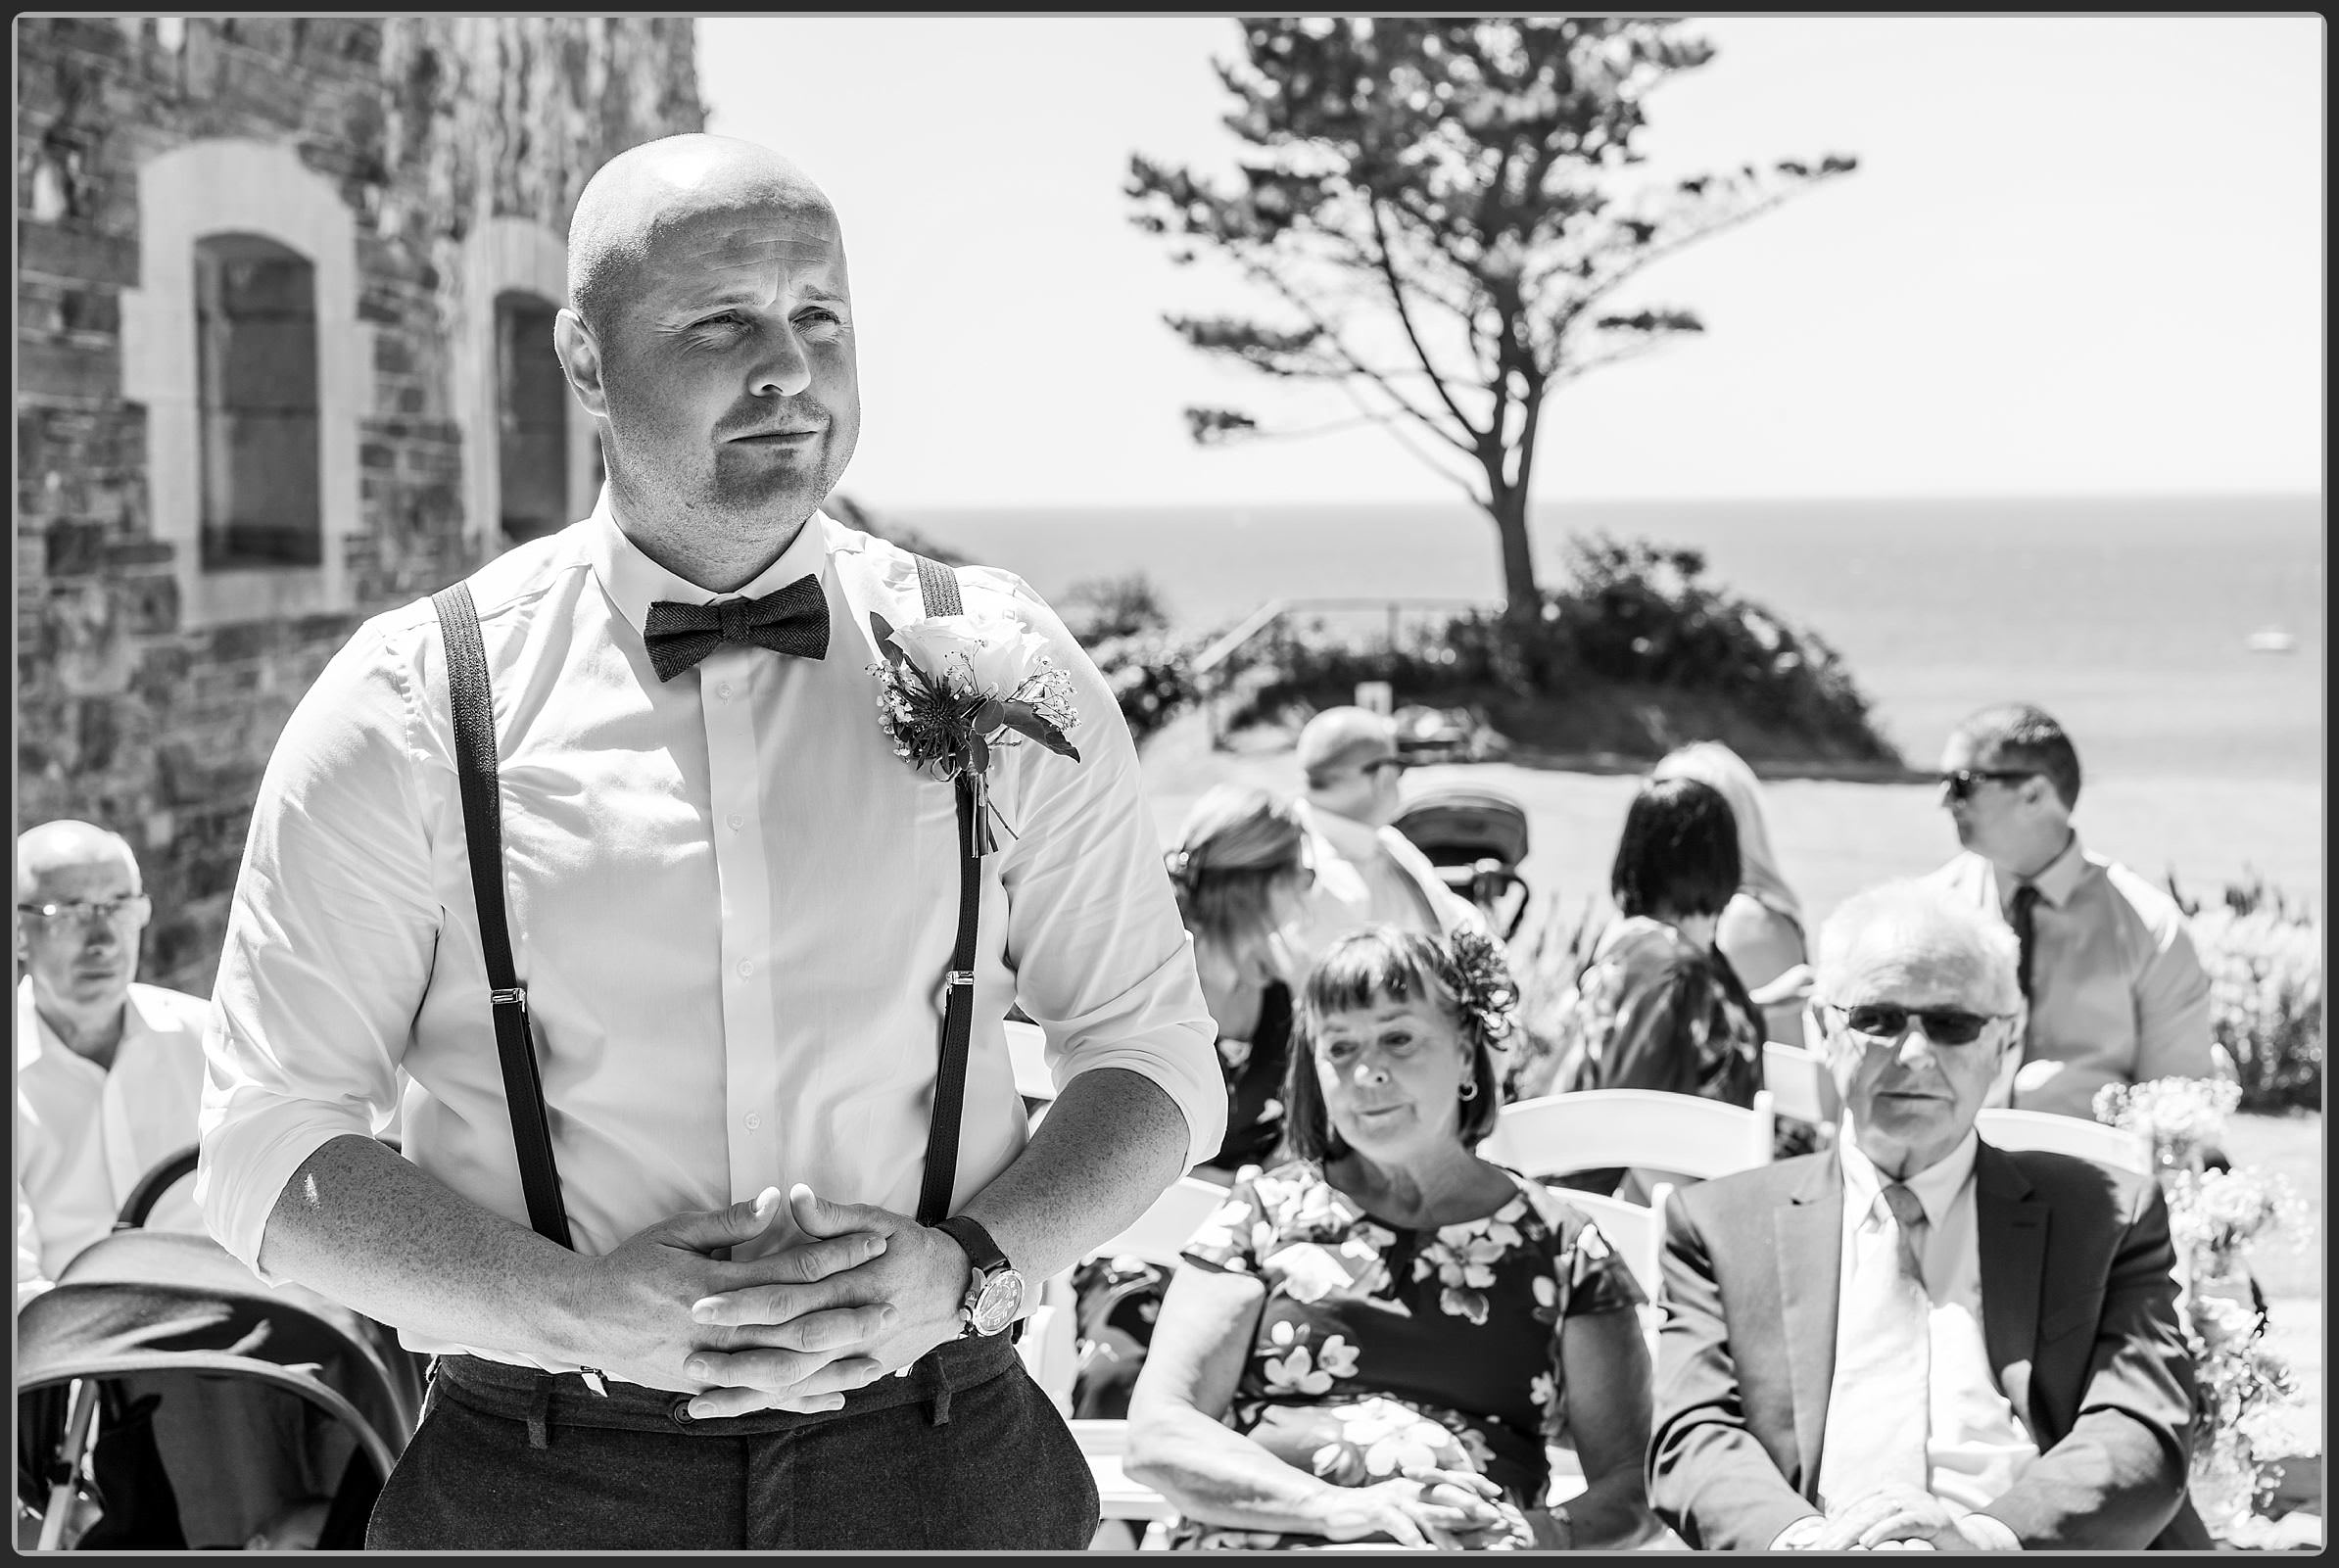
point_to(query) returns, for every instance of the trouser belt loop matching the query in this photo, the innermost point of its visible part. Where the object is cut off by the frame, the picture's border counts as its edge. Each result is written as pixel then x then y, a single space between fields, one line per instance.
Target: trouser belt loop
pixel 540 1413
pixel 939 1367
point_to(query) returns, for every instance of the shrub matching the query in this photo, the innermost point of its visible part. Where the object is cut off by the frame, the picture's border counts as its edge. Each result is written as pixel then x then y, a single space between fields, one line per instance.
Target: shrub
pixel 1124 627
pixel 1628 616
pixel 2264 956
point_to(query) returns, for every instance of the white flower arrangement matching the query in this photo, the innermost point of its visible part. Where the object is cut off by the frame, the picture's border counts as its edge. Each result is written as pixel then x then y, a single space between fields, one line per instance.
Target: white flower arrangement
pixel 2243 1384
pixel 953 688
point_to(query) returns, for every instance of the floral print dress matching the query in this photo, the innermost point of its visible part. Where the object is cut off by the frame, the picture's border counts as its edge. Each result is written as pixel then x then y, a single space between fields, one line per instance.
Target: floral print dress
pixel 1382 1349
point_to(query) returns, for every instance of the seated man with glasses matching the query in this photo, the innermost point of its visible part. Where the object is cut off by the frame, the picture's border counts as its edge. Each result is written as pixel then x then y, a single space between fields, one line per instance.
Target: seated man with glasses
pixel 1366 871
pixel 1916 1338
pixel 109 1071
pixel 2115 991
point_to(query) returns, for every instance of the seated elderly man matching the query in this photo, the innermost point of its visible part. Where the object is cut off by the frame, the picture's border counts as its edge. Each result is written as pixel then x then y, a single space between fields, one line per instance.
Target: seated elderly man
pixel 109 1071
pixel 1915 1337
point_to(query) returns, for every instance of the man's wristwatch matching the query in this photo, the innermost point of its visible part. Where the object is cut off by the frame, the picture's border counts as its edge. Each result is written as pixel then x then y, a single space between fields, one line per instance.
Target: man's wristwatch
pixel 996 1292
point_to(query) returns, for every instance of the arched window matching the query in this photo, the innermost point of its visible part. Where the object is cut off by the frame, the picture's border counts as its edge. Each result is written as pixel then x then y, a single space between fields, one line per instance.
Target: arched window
pixel 532 399
pixel 256 384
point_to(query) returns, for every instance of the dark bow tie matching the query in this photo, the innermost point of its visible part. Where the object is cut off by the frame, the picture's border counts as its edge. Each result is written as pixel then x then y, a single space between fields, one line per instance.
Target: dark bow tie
pixel 789 619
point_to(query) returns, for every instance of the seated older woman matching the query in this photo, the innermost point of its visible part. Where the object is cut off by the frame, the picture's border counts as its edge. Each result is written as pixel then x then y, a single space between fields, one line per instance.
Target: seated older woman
pixel 1375 1340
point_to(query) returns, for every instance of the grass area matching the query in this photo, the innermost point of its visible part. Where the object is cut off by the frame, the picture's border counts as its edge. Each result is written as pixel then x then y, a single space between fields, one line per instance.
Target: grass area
pixel 2289 1146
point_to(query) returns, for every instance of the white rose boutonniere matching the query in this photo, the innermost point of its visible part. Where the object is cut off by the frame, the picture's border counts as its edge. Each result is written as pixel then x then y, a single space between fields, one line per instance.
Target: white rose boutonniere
pixel 955 686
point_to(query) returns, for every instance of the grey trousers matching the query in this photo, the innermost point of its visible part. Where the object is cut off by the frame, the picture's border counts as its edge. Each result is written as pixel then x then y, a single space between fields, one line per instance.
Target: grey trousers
pixel 964 1455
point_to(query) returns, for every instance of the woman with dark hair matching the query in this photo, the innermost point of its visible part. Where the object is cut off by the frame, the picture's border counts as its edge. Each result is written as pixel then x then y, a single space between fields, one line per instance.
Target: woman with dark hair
pixel 1659 1007
pixel 1375 1340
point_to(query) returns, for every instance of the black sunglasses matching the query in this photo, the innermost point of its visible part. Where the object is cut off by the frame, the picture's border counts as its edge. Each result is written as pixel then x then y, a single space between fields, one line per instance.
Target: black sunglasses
pixel 1889 1021
pixel 1962 784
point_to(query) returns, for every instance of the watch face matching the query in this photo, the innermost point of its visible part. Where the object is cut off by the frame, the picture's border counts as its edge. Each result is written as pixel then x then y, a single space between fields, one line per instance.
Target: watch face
pixel 1002 1294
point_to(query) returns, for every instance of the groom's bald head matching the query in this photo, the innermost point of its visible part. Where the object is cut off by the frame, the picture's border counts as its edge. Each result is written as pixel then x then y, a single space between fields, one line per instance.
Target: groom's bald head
pixel 648 190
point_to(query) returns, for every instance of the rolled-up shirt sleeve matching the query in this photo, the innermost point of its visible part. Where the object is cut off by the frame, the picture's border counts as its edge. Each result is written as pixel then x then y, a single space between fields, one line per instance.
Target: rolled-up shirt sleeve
pixel 330 944
pixel 1102 963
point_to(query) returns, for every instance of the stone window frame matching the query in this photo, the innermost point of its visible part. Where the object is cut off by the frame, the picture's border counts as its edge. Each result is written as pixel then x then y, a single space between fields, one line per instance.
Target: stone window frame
pixel 234 185
pixel 509 255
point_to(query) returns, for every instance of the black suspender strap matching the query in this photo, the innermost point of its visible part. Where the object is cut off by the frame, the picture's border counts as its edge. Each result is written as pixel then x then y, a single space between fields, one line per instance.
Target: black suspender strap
pixel 469 694
pixel 473 702
pixel 937 585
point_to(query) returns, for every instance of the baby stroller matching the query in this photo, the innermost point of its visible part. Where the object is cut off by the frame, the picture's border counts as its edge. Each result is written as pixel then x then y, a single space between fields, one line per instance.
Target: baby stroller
pixel 1476 838
pixel 167 1399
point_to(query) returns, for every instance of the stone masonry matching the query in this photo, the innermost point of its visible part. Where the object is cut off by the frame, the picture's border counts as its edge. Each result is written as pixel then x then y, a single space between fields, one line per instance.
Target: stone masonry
pixel 125 715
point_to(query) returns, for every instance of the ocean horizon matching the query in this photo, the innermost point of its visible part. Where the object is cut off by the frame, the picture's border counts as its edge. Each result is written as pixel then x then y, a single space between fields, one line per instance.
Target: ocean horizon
pixel 2130 618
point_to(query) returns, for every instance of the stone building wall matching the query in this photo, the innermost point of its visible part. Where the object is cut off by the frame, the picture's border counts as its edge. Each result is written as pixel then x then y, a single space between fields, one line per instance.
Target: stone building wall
pixel 134 710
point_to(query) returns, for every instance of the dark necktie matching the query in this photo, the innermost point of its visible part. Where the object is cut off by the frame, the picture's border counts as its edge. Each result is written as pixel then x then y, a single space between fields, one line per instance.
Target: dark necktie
pixel 787 620
pixel 2025 902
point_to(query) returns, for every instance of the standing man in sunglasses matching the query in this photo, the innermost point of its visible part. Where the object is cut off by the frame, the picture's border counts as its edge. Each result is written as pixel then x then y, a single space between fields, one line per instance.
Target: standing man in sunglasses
pixel 1915 1338
pixel 2114 988
pixel 109 1071
pixel 1366 871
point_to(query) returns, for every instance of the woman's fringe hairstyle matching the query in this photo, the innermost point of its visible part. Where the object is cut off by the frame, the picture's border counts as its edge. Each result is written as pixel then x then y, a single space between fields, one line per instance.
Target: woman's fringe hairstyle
pixel 1465 975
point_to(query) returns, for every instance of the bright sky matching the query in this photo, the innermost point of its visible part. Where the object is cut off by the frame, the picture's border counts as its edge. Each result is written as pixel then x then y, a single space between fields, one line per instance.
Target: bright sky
pixel 2081 253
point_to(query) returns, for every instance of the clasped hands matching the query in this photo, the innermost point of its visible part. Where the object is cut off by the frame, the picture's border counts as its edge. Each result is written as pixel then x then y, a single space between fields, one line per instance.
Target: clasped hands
pixel 1899 1518
pixel 863 1293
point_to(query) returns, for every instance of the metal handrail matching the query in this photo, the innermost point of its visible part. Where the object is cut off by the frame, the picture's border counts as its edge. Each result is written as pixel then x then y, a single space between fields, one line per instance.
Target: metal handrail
pixel 1274 610
pixel 1267 614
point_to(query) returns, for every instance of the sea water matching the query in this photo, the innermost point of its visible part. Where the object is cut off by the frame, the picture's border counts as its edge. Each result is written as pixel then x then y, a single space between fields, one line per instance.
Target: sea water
pixel 2127 618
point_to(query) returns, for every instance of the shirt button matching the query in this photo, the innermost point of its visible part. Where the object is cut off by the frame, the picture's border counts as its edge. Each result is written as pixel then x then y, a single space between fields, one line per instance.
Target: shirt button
pixel 737 821
pixel 753 1122
pixel 746 966
pixel 724 691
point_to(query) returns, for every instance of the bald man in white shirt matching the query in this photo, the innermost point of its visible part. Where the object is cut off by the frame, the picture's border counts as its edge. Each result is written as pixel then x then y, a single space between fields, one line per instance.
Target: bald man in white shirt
pixel 109 1071
pixel 1366 871
pixel 733 910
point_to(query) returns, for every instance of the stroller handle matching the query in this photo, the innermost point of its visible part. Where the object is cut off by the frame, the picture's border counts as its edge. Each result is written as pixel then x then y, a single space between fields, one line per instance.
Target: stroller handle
pixel 164 1174
pixel 160 1180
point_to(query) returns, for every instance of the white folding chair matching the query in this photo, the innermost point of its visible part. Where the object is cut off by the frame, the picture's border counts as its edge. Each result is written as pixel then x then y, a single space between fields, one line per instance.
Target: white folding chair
pixel 1160 1234
pixel 1156 1236
pixel 1798 1084
pixel 2003 1129
pixel 1026 1048
pixel 1592 1130
pixel 1637 1234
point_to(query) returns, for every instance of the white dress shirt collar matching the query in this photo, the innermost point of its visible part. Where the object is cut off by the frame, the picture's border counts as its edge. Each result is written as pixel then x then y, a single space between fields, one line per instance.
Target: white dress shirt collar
pixel 634 581
pixel 1936 1186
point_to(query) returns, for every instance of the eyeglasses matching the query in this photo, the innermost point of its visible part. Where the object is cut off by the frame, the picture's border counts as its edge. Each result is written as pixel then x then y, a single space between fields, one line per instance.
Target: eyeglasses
pixel 131 909
pixel 1962 783
pixel 1889 1022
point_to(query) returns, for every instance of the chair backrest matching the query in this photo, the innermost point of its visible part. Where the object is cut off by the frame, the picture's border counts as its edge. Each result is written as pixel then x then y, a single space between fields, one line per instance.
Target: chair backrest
pixel 2064 1135
pixel 1592 1130
pixel 1636 1232
pixel 1798 1084
pixel 1026 1048
pixel 1160 1234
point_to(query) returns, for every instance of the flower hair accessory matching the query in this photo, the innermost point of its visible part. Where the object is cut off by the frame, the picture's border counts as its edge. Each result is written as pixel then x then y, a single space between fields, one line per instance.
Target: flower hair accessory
pixel 955 688
pixel 1482 986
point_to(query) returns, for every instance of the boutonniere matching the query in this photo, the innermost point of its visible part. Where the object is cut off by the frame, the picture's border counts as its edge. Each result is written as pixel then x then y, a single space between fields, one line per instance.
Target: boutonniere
pixel 954 688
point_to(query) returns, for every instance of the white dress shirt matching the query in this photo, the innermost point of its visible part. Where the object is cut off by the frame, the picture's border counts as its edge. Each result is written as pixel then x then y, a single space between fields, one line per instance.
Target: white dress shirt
pixel 86 1134
pixel 731 904
pixel 1371 876
pixel 1974 1445
pixel 2117 994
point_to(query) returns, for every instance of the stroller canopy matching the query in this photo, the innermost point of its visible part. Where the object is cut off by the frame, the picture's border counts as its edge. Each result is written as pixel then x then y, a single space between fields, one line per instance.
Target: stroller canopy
pixel 1455 824
pixel 154 1302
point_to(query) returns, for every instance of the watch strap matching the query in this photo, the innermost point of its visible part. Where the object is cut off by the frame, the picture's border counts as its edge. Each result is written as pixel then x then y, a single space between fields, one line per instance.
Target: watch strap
pixel 982 1253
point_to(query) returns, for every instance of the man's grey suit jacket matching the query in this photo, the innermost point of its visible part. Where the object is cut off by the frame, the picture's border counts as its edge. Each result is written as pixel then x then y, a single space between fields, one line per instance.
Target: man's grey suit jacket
pixel 2079 1318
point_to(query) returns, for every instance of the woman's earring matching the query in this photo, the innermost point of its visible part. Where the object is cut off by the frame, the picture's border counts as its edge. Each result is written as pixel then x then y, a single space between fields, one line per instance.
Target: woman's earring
pixel 1469 1090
